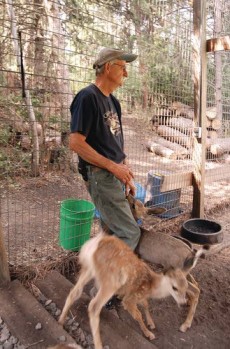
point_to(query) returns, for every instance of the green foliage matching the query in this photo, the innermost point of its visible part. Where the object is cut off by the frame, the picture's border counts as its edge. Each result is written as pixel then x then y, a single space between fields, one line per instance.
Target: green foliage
pixel 160 32
pixel 14 161
pixel 4 135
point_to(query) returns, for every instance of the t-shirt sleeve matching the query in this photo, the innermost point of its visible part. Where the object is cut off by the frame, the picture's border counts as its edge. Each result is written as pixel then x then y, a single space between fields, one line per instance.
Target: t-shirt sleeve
pixel 83 111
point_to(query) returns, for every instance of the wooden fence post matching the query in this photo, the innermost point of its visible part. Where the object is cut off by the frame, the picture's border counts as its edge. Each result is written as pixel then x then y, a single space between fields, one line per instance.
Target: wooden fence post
pixel 200 86
pixel 4 269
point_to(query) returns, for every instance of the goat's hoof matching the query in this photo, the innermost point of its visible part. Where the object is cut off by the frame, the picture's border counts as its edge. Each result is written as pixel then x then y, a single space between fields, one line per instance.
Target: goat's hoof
pixel 61 322
pixel 184 327
pixel 152 326
pixel 150 336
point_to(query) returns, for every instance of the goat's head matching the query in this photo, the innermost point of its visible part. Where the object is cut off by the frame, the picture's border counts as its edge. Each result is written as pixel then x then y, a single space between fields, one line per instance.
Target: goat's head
pixel 139 211
pixel 175 280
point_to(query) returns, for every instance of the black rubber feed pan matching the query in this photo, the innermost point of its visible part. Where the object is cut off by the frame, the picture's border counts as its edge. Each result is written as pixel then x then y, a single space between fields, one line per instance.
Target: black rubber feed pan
pixel 202 231
pixel 183 240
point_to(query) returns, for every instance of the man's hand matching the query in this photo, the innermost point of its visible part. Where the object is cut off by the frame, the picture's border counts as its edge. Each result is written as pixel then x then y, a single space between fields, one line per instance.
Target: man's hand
pixel 125 175
pixel 122 172
pixel 130 188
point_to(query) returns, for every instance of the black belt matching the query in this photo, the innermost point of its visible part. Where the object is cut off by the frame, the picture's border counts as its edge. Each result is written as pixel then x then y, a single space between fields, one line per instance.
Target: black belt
pixel 93 168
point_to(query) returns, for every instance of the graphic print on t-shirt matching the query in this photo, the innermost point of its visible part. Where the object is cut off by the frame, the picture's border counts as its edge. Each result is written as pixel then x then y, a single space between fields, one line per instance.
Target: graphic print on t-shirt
pixel 111 120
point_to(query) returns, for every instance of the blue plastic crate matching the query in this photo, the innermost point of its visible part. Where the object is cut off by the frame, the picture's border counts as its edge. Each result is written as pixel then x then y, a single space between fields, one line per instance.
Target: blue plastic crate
pixel 169 199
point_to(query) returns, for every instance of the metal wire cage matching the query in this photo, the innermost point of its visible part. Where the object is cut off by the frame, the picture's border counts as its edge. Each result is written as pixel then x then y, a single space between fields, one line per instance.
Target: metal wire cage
pixel 46 56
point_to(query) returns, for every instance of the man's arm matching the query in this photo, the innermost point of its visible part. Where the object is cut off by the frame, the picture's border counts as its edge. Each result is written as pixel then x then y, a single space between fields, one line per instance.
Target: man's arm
pixel 77 143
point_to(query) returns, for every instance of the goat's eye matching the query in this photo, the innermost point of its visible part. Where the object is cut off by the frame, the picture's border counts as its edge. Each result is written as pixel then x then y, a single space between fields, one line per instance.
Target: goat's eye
pixel 175 288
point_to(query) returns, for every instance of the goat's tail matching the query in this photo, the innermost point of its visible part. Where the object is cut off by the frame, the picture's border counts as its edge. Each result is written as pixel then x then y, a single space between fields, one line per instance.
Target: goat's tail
pixel 88 249
pixel 191 261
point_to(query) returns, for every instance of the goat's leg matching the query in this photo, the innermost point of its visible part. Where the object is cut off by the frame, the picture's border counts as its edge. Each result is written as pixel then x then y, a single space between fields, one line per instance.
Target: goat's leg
pixel 131 307
pixel 193 295
pixel 192 280
pixel 94 310
pixel 148 316
pixel 75 293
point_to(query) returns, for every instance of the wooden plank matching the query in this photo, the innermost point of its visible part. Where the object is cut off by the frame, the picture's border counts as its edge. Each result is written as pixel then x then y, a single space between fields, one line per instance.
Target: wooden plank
pixel 200 87
pixel 185 179
pixel 54 286
pixel 4 268
pixel 176 181
pixel 22 312
pixel 218 44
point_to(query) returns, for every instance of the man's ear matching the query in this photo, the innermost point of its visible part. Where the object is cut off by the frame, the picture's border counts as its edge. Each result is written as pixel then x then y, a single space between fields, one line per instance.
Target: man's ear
pixel 107 66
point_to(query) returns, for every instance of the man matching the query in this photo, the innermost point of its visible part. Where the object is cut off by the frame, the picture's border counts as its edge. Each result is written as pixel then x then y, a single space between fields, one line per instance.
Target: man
pixel 97 138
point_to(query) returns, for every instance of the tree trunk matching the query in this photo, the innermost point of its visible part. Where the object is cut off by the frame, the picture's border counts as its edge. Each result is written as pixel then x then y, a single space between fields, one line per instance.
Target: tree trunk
pixel 161 150
pixel 208 123
pixel 220 146
pixel 35 154
pixel 216 124
pixel 180 151
pixel 212 134
pixel 181 109
pixel 211 113
pixel 175 136
pixel 182 124
pixel 35 139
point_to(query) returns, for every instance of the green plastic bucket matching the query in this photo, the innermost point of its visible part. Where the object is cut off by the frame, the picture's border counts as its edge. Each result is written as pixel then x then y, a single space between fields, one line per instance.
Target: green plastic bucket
pixel 76 217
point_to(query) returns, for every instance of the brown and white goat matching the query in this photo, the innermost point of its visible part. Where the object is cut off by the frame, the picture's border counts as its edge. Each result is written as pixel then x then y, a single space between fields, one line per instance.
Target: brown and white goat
pixel 157 247
pixel 116 269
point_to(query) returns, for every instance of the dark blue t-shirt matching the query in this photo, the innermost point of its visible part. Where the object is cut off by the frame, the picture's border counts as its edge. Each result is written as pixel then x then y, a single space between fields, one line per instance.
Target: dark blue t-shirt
pixel 98 118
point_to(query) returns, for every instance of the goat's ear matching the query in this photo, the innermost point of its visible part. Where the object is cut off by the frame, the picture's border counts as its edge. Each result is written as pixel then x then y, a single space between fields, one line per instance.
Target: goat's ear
pixel 130 199
pixel 155 210
pixel 189 263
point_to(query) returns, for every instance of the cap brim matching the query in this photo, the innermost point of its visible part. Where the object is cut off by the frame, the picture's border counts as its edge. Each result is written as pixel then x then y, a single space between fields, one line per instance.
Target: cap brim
pixel 128 57
pixel 124 56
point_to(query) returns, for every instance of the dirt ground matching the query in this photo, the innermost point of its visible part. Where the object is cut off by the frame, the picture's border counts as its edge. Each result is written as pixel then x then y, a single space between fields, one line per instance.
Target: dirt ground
pixel 30 210
pixel 210 328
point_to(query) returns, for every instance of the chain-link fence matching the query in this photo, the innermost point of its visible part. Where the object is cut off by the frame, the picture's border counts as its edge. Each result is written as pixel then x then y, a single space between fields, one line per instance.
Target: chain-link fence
pixel 46 55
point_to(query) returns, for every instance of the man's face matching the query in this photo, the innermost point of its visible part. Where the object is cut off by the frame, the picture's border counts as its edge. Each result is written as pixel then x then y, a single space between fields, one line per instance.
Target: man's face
pixel 117 72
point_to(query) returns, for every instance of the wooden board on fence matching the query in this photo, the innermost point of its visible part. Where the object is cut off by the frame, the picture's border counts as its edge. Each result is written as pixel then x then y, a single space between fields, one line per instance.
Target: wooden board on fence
pixel 4 269
pixel 183 180
pixel 176 181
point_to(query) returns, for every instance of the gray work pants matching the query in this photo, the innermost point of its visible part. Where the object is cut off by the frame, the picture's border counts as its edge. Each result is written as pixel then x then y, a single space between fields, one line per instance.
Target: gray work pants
pixel 109 198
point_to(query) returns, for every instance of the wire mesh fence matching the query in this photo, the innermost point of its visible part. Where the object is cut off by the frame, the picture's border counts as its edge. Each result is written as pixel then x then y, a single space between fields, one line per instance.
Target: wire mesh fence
pixel 218 102
pixel 46 56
